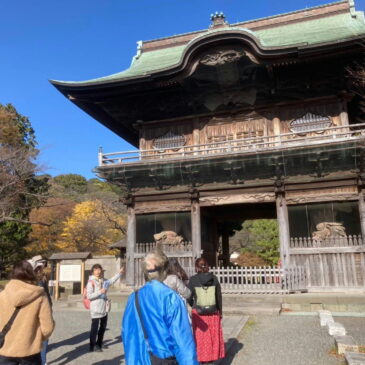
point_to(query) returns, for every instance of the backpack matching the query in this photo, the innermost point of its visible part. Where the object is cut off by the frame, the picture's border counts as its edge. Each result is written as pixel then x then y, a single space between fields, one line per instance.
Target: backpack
pixel 86 301
pixel 205 300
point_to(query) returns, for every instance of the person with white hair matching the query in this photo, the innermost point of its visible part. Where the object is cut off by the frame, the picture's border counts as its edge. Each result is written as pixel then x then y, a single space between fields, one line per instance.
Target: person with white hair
pixel 155 327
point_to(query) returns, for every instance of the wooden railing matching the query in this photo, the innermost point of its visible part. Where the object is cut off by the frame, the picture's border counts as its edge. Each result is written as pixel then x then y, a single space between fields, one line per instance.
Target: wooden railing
pixel 167 248
pixel 263 279
pixel 309 242
pixel 255 144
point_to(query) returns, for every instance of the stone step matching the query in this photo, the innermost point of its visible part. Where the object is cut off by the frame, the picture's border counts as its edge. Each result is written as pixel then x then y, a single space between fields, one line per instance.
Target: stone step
pixel 336 329
pixel 345 343
pixel 355 358
pixel 325 319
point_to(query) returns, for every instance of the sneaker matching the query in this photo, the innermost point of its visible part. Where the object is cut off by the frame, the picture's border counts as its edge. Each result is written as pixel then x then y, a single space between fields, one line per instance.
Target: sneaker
pixel 91 348
pixel 98 349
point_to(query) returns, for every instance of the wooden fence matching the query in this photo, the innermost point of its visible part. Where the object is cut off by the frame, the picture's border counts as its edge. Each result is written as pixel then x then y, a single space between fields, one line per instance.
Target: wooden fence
pixel 307 242
pixel 336 263
pixel 239 280
pixel 263 279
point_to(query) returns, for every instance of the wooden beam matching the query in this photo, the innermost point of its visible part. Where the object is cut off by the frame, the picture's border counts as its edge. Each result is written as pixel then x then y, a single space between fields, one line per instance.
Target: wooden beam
pixel 131 241
pixel 362 213
pixel 237 199
pixel 196 228
pixel 322 250
pixel 82 275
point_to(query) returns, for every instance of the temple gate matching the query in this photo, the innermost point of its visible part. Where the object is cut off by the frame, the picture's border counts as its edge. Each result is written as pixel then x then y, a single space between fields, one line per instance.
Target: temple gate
pixel 259 116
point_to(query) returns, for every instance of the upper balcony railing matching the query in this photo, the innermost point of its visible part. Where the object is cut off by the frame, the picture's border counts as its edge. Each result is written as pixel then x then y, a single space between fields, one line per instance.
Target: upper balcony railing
pixel 255 144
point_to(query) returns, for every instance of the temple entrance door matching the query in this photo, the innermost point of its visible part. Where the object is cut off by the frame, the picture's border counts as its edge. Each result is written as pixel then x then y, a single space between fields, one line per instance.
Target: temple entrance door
pixel 219 223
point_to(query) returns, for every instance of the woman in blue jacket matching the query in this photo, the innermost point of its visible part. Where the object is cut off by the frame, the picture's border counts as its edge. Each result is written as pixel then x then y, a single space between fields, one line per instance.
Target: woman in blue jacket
pixel 164 318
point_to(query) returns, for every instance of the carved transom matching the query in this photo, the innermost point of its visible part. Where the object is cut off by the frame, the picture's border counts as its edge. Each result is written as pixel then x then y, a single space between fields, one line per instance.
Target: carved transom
pixel 220 57
pixel 169 140
pixel 310 122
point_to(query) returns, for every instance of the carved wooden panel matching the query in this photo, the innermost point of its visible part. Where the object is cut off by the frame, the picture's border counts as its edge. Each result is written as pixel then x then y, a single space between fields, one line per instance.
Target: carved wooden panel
pixel 175 205
pixel 154 137
pixel 231 128
pixel 237 199
pixel 322 195
pixel 330 112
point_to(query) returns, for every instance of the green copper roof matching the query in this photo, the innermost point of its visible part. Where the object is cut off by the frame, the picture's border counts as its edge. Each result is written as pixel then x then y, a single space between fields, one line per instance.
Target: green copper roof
pixel 323 30
pixel 331 29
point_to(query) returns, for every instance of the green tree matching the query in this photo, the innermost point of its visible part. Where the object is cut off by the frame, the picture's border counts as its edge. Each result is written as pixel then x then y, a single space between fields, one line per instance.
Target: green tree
pixel 264 235
pixel 20 187
pixel 72 185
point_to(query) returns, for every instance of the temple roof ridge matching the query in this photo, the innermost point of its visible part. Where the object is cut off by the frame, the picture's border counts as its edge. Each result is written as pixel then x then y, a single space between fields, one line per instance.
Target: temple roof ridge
pixel 341 24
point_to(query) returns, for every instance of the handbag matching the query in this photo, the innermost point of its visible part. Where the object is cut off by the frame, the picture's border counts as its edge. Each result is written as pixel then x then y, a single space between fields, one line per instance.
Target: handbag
pixel 154 359
pixel 7 327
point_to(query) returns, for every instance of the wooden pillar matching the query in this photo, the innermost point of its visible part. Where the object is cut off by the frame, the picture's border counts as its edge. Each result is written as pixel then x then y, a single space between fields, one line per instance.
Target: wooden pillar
pixel 57 286
pixel 196 135
pixel 283 223
pixel 277 129
pixel 196 228
pixel 82 275
pixel 225 247
pixel 362 214
pixel 131 242
pixel 344 117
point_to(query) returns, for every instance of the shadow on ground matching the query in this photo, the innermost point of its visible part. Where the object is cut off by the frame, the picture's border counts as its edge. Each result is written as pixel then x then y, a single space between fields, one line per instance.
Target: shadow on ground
pixel 75 340
pixel 115 361
pixel 232 348
pixel 81 349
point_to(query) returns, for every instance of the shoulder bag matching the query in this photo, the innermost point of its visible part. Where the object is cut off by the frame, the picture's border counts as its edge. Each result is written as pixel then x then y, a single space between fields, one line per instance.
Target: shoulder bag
pixel 154 359
pixel 7 327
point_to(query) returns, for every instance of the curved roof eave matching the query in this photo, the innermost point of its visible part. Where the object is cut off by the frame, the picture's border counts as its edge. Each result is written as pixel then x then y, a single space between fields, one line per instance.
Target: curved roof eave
pixel 244 35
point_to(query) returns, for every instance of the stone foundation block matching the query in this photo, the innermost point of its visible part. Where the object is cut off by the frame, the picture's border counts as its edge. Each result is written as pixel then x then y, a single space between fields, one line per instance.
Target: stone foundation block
pixel 325 319
pixel 324 312
pixel 345 343
pixel 354 358
pixel 336 329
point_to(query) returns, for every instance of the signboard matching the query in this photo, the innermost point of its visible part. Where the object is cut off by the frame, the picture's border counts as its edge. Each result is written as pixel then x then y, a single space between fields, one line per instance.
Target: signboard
pixel 70 273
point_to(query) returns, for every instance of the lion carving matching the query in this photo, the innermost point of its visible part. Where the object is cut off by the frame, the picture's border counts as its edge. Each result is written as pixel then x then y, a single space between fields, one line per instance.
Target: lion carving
pixel 328 229
pixel 168 238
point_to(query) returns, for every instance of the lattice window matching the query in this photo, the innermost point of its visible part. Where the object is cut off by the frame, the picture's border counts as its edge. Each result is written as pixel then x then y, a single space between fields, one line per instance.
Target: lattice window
pixel 308 122
pixel 169 140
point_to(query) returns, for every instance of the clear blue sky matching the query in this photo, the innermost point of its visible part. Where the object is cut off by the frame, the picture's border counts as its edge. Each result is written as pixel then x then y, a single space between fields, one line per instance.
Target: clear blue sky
pixel 83 39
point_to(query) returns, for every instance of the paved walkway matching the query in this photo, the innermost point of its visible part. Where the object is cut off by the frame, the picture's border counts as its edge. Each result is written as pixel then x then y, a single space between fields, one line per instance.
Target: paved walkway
pixel 69 343
pixel 283 340
pixel 275 340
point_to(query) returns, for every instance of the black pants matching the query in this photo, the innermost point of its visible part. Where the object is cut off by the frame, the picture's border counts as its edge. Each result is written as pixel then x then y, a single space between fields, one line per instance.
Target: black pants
pixel 29 360
pixel 98 327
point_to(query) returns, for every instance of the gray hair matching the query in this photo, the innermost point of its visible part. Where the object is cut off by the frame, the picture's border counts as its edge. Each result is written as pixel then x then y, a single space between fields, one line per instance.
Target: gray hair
pixel 159 261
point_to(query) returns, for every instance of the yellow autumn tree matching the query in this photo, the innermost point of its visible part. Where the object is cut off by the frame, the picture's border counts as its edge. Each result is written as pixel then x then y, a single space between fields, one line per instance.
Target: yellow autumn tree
pixel 91 227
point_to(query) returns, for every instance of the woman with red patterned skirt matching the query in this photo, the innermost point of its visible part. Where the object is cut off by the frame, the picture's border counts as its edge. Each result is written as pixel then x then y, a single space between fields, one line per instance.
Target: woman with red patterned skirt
pixel 206 301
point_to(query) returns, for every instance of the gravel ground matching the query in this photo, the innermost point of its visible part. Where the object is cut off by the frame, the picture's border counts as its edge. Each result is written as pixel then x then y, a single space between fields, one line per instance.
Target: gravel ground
pixel 274 340
pixel 283 340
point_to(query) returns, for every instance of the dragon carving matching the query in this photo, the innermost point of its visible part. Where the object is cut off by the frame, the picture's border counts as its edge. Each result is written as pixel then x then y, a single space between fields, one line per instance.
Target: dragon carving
pixel 328 229
pixel 168 238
